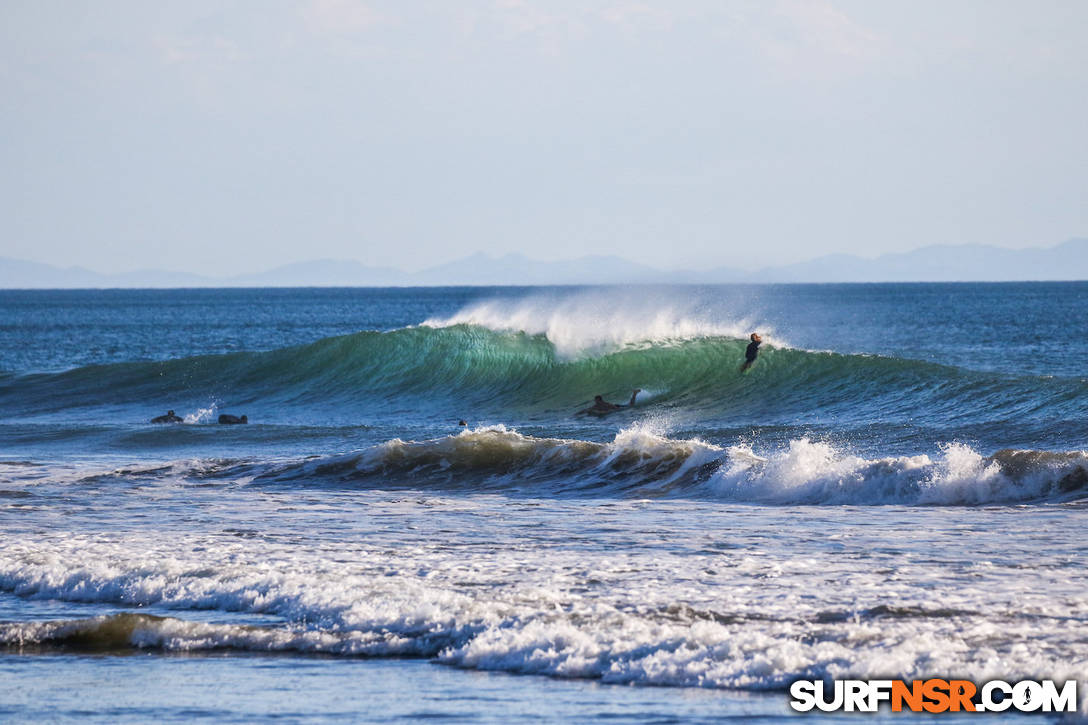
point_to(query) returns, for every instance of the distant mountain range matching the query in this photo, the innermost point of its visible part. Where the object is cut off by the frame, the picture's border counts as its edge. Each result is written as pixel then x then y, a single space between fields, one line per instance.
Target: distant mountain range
pixel 939 263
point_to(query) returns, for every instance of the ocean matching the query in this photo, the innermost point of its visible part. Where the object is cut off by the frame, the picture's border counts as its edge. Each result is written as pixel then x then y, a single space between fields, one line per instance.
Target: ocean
pixel 896 489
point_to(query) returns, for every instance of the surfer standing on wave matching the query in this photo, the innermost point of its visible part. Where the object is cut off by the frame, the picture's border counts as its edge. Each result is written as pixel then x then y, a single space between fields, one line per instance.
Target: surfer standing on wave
pixel 602 407
pixel 751 353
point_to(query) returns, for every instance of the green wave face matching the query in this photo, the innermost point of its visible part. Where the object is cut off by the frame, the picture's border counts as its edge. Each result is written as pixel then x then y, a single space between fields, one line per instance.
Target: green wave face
pixel 508 375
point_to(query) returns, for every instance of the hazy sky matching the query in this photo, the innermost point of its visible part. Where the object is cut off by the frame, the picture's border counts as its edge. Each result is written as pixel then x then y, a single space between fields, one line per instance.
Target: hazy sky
pixel 227 137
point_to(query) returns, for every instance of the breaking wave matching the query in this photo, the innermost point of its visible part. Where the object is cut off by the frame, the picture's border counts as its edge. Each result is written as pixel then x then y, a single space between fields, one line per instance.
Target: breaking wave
pixel 640 462
pixel 477 371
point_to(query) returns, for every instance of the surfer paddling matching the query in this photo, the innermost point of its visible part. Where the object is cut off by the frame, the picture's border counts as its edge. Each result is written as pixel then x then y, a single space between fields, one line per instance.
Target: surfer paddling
pixel 168 418
pixel 751 353
pixel 227 419
pixel 602 407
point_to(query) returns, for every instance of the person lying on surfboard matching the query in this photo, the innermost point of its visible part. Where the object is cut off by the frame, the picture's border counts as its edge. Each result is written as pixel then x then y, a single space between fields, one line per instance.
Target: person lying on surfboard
pixel 751 353
pixel 603 407
pixel 227 419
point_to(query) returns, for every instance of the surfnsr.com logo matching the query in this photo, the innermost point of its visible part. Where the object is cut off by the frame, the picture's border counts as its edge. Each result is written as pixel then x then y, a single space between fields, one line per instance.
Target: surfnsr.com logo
pixel 934 695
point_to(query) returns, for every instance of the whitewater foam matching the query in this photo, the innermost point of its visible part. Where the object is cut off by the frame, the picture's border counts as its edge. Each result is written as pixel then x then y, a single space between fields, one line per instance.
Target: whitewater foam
pixel 640 461
pixel 596 323
pixel 816 472
pixel 536 601
pixel 202 415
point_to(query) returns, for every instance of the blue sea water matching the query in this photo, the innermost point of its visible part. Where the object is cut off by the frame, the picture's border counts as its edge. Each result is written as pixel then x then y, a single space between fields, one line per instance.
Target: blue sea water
pixel 896 489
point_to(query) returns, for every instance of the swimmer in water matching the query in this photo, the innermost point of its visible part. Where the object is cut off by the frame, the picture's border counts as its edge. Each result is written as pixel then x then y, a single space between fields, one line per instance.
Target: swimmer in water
pixel 602 407
pixel 168 418
pixel 751 353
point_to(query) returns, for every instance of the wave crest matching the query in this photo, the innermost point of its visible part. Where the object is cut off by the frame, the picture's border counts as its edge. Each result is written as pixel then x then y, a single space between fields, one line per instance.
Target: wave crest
pixel 598 323
pixel 813 472
pixel 642 462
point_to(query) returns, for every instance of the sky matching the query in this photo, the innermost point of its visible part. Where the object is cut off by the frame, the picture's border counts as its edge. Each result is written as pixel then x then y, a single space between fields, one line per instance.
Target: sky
pixel 225 137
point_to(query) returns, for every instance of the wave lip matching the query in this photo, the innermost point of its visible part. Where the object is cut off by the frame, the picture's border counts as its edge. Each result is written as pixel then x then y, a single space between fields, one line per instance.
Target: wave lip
pixel 593 324
pixel 498 458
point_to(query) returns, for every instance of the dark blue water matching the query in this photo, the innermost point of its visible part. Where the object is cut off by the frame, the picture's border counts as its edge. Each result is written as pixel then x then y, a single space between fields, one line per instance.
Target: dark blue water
pixel 895 488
